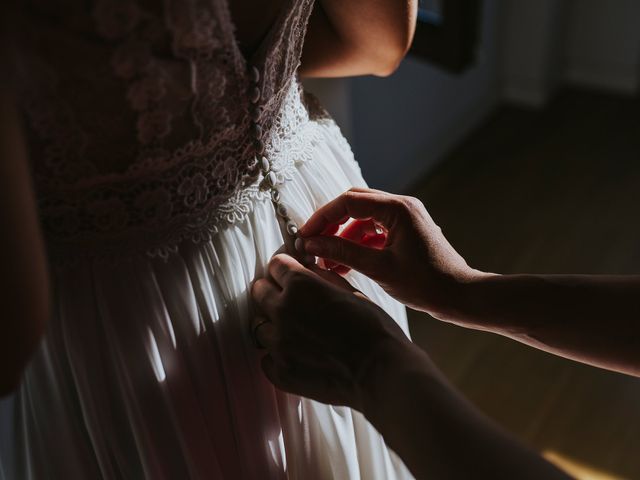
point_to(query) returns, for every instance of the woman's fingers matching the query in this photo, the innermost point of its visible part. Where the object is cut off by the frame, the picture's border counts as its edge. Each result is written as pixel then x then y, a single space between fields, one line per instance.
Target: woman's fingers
pixel 334 267
pixel 356 204
pixel 331 229
pixel 334 278
pixel 265 293
pixel 363 232
pixel 347 253
pixel 359 230
pixel 368 190
pixel 264 332
pixel 282 266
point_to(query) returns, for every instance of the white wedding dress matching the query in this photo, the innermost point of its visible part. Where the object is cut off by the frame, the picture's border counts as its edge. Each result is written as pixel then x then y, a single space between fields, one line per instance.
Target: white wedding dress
pixel 147 132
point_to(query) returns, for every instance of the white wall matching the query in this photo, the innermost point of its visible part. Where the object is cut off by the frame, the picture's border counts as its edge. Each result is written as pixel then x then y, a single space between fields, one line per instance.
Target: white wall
pixel 602 47
pixel 531 47
pixel 548 43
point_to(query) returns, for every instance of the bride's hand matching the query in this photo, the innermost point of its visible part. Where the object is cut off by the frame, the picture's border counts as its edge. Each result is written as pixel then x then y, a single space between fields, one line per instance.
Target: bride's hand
pixel 416 264
pixel 324 339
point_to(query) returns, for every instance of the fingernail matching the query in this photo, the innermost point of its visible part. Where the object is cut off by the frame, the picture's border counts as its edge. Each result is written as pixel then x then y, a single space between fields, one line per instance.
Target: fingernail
pixel 313 246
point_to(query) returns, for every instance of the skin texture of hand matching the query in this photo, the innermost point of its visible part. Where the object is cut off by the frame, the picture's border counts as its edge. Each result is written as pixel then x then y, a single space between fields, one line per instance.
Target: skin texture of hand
pixel 416 265
pixel 589 318
pixel 321 335
pixel 326 341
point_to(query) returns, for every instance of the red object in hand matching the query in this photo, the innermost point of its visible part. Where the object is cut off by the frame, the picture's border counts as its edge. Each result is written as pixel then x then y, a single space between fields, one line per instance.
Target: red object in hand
pixel 363 232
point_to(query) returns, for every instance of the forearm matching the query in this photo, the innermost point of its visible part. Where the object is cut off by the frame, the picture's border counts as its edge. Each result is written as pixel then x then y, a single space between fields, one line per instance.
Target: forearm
pixel 358 37
pixel 592 319
pixel 437 432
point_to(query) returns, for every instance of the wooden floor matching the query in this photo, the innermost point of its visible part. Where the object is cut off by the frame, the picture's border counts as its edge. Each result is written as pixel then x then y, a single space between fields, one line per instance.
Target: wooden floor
pixel 553 191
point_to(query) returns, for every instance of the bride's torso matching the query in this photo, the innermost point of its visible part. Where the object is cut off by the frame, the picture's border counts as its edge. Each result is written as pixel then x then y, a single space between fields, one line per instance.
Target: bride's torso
pixel 144 119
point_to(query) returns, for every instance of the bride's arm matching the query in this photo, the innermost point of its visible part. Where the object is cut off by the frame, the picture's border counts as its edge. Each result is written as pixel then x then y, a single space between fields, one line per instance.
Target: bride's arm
pixel 357 37
pixel 24 284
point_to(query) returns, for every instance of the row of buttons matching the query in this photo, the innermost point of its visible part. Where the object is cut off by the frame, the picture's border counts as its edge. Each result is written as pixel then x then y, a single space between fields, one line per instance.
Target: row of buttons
pixel 270 178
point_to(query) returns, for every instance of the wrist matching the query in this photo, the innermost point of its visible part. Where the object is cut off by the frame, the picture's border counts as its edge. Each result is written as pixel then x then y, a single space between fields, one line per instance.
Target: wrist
pixel 461 297
pixel 480 299
pixel 391 360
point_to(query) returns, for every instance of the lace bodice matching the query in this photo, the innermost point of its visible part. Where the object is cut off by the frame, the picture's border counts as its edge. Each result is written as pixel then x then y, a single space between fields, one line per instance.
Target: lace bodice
pixel 139 122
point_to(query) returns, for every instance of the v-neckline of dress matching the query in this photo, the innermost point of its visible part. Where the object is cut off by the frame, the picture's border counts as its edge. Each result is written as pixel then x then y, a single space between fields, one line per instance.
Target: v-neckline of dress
pixel 262 53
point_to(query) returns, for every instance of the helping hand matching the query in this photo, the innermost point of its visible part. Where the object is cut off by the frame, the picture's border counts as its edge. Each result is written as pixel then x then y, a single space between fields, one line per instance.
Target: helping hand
pixel 323 337
pixel 416 265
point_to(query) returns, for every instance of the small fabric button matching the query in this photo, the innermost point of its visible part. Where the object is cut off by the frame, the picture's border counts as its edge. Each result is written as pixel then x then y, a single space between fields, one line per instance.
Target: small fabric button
pixel 281 209
pixel 254 114
pixel 272 178
pixel 292 228
pixel 254 74
pixel 254 96
pixel 265 165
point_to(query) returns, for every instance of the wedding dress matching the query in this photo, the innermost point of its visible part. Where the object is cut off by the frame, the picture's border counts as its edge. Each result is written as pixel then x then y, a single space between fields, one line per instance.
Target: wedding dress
pixel 168 169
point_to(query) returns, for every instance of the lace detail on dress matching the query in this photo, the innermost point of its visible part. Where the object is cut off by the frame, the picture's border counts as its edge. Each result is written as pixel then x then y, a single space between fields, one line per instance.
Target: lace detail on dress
pixel 296 133
pixel 139 127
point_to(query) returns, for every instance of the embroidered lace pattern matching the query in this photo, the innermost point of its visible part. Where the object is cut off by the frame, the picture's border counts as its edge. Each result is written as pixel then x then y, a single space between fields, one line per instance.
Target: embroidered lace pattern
pixel 138 120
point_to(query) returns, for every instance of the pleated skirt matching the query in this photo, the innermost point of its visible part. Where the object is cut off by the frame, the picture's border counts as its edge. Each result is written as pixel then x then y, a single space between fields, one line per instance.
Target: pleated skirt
pixel 148 371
